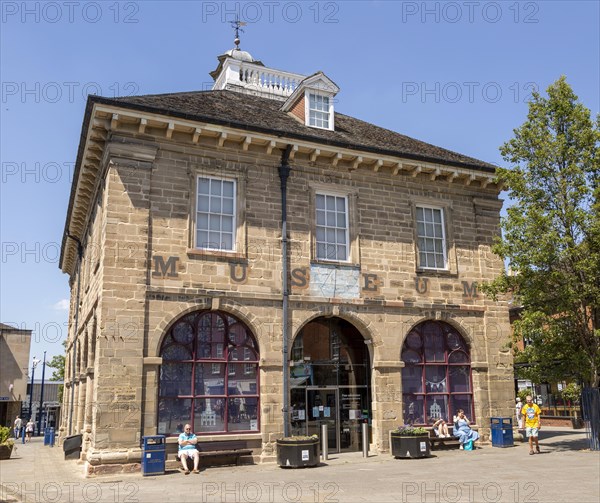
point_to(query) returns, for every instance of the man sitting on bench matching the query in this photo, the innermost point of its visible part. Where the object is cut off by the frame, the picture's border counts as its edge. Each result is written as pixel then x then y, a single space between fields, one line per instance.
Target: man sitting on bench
pixel 187 449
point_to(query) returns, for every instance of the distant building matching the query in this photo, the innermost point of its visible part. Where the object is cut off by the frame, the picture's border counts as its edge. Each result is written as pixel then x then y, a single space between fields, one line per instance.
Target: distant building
pixel 14 359
pixel 51 405
pixel 188 289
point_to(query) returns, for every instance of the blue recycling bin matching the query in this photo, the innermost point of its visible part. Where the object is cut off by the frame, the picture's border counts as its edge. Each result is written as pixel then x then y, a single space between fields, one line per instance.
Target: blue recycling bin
pixel 47 436
pixel 153 455
pixel 51 435
pixel 502 432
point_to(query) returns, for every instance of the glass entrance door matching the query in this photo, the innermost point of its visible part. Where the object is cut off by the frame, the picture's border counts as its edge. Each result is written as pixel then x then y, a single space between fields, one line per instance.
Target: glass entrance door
pixel 354 411
pixel 322 408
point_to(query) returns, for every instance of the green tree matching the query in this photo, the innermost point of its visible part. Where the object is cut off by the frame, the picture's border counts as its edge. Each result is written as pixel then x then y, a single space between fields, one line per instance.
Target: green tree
pixel 58 374
pixel 551 237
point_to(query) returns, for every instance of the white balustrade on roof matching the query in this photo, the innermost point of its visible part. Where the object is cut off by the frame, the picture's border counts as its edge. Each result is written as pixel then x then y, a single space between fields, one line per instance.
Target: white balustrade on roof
pixel 248 77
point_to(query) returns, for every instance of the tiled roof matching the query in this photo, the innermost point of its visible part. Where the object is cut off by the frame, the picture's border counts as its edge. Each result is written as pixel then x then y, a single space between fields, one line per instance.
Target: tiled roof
pixel 244 111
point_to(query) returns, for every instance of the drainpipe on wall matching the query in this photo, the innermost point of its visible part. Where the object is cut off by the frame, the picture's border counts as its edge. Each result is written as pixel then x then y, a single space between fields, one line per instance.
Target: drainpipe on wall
pixel 284 173
pixel 74 353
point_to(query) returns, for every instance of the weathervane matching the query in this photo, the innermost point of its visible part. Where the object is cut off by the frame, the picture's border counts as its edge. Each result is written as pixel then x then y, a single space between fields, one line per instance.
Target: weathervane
pixel 236 25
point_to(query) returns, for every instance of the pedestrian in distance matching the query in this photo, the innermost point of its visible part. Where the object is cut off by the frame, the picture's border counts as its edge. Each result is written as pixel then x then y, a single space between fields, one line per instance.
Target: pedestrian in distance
pixel 17 427
pixel 518 408
pixel 29 427
pixel 532 415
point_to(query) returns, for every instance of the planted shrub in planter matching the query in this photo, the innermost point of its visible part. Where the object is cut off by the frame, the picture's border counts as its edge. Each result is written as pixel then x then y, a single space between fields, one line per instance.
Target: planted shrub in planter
pixel 6 443
pixel 409 442
pixel 298 451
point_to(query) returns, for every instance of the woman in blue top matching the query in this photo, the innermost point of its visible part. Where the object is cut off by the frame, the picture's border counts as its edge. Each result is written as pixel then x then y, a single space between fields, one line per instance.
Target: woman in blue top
pixel 462 430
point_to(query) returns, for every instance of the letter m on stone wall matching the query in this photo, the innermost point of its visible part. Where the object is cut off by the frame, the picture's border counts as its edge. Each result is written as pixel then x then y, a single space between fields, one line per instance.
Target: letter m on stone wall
pixel 469 289
pixel 164 269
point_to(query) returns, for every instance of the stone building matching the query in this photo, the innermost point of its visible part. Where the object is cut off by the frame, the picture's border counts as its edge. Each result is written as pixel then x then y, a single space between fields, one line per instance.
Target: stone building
pixel 14 359
pixel 186 212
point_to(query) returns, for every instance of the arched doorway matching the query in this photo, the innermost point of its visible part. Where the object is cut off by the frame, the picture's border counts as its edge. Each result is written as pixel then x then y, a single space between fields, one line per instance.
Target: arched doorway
pixel 436 378
pixel 209 376
pixel 329 383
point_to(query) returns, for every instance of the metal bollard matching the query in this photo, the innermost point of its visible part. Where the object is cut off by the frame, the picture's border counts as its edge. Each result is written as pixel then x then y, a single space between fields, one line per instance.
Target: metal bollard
pixel 365 439
pixel 324 446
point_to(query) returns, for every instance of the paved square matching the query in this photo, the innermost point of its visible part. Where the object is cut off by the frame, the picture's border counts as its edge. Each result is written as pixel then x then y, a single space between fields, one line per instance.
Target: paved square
pixel 565 471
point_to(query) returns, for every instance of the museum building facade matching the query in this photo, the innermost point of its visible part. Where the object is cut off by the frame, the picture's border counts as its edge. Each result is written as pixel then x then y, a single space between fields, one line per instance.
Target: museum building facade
pixel 232 247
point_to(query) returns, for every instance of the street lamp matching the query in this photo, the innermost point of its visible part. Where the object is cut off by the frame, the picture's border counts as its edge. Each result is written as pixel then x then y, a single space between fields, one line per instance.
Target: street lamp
pixel 34 364
pixel 42 397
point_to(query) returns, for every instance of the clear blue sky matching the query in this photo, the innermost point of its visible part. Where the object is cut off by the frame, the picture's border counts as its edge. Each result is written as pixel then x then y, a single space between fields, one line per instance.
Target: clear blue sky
pixel 455 74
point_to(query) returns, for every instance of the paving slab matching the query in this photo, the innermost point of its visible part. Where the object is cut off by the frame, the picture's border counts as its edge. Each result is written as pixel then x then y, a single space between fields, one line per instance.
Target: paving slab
pixel 565 471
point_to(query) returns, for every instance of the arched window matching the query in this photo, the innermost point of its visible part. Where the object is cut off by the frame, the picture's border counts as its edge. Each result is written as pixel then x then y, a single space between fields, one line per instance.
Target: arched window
pixel 209 376
pixel 436 378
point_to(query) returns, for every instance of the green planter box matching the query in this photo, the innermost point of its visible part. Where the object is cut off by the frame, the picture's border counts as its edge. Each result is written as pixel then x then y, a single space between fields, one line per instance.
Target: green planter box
pixel 414 446
pixel 293 453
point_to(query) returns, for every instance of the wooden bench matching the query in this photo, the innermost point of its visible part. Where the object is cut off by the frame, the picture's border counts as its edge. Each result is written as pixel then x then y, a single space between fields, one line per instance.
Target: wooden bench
pixel 230 449
pixel 435 441
pixel 451 441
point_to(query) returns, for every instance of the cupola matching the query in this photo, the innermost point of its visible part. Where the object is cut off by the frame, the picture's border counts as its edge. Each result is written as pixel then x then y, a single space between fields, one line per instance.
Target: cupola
pixel 308 99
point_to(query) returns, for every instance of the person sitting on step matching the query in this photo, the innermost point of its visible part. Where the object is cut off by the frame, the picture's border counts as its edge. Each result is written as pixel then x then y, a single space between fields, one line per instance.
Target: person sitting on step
pixel 462 430
pixel 187 449
pixel 440 427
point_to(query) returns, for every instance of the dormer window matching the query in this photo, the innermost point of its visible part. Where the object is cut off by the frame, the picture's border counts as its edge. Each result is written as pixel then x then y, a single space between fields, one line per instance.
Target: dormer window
pixel 312 102
pixel 319 111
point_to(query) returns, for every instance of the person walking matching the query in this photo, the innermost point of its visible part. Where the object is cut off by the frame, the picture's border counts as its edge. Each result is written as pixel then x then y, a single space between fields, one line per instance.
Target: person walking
pixel 532 415
pixel 29 427
pixel 518 408
pixel 17 427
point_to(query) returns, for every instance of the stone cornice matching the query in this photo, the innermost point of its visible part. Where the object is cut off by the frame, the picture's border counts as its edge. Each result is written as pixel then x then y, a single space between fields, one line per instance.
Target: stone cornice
pixel 272 364
pixel 349 159
pixel 176 294
pixel 381 365
pixel 480 366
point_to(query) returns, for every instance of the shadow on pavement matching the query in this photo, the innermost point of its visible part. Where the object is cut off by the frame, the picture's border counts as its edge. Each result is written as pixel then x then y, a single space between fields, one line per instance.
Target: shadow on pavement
pixel 579 444
pixel 547 433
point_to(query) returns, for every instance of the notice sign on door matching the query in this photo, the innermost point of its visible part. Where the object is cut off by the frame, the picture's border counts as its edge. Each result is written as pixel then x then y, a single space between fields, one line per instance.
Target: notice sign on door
pixel 305 455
